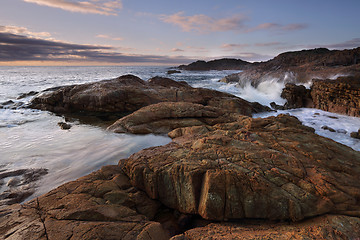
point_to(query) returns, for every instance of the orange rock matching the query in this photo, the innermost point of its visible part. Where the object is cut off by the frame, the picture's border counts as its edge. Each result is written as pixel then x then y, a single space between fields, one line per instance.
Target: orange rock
pixel 273 168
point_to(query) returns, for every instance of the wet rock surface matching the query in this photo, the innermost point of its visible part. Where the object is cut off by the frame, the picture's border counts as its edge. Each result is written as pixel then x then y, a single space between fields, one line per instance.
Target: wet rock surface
pixel 273 168
pixel 297 96
pixel 17 185
pixel 102 205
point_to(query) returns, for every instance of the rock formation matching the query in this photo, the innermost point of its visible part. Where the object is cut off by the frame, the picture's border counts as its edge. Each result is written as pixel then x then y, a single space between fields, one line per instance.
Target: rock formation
pixel 297 96
pixel 258 170
pixel 225 175
pixel 129 93
pixel 102 205
pixel 166 116
pixel 301 66
pixel 340 96
pixel 272 168
pixel 219 64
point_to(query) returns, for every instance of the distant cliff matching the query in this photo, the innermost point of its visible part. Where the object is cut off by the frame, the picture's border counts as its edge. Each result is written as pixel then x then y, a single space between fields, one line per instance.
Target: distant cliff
pixel 301 66
pixel 219 64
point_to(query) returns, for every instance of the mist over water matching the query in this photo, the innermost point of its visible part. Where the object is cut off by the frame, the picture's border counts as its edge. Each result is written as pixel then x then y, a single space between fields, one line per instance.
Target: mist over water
pixel 32 139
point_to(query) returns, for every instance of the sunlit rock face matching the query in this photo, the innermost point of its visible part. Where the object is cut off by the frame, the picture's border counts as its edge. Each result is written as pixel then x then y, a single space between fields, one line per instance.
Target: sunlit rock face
pixel 273 168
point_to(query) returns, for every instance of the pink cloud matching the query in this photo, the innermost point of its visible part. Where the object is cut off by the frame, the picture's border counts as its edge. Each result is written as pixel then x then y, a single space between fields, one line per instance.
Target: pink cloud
pixel 267 44
pixel 109 37
pixel 233 47
pixel 94 6
pixel 203 24
pixel 278 27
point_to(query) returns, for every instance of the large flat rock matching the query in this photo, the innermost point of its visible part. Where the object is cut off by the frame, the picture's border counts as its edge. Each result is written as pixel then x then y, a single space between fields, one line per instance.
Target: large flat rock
pixel 273 168
pixel 163 117
pixel 129 93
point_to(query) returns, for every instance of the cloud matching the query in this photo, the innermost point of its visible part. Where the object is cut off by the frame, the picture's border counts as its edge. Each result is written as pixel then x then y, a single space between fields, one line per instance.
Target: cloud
pixel 177 50
pixel 109 37
pixel 103 7
pixel 22 48
pixel 204 24
pixel 232 46
pixel 268 44
pixel 24 31
pixel 278 27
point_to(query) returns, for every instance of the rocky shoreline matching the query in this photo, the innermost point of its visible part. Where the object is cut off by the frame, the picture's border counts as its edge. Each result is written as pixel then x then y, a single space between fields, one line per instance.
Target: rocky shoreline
pixel 301 67
pixel 225 175
pixel 341 95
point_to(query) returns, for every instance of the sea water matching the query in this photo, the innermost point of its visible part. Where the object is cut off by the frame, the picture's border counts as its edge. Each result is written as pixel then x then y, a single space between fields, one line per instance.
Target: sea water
pixel 32 139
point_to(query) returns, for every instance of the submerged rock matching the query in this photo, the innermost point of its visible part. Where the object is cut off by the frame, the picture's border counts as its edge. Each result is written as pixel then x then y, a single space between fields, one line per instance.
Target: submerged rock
pixel 173 71
pixel 20 185
pixel 64 126
pixel 355 134
pixel 273 168
pixel 328 128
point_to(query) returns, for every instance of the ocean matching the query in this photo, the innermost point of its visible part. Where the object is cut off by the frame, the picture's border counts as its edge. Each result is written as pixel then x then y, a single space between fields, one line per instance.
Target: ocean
pixel 31 139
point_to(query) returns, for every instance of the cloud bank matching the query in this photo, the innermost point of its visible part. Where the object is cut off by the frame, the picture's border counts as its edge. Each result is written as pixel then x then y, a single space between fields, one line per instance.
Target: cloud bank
pixel 16 47
pixel 93 6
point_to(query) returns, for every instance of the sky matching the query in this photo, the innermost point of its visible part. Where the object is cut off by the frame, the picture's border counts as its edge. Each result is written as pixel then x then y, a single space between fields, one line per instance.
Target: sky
pixel 163 32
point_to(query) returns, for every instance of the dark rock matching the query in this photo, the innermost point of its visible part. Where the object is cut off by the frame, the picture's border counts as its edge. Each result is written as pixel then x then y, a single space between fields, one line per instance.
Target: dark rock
pixel 341 131
pixel 355 134
pixel 340 96
pixel 24 95
pixel 219 64
pixel 297 96
pixel 328 128
pixel 64 126
pixel 173 71
pixel 276 106
pixel 128 93
pixel 9 102
pixel 273 168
